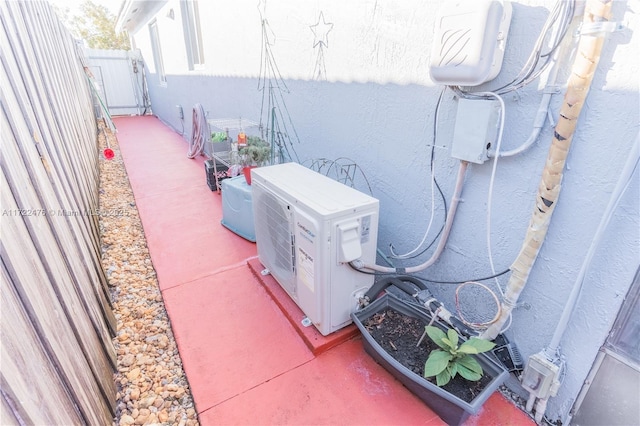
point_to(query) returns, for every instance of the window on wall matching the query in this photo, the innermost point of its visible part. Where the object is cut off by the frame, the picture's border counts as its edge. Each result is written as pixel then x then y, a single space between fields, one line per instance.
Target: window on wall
pixel 192 33
pixel 157 51
pixel 624 334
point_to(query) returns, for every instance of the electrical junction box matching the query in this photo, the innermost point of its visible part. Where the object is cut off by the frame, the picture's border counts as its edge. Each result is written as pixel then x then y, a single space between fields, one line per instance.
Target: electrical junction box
pixel 540 377
pixel 476 130
pixel 469 41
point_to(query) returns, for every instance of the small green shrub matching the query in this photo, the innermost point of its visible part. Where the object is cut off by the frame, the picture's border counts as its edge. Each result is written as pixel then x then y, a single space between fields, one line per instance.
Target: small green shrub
pixel 257 152
pixel 452 359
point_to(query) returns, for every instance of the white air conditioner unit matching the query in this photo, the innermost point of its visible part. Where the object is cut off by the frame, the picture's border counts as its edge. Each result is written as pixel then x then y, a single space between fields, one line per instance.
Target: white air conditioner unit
pixel 308 227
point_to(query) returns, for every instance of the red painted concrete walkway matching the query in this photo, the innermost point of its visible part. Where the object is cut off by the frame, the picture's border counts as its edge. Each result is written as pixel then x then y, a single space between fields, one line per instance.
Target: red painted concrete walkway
pixel 245 362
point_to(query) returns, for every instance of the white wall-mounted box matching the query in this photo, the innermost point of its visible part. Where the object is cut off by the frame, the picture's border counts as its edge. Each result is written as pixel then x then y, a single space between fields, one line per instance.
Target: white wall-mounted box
pixel 469 41
pixel 476 130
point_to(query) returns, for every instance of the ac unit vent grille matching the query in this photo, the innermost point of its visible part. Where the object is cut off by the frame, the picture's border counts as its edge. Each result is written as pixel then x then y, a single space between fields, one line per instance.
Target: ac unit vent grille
pixel 274 231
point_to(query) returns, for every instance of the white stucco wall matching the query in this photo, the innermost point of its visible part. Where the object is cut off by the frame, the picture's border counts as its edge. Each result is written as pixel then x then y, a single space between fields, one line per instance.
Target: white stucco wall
pixel 376 106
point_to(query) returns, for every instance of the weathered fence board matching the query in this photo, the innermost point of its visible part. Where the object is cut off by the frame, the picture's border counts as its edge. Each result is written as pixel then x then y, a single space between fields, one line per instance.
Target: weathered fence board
pixel 57 357
pixel 62 269
pixel 55 333
pixel 54 125
pixel 7 415
pixel 38 398
pixel 52 194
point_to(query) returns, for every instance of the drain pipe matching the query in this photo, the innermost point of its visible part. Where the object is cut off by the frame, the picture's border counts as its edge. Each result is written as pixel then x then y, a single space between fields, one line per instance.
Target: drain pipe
pixel 358 264
pixel 596 14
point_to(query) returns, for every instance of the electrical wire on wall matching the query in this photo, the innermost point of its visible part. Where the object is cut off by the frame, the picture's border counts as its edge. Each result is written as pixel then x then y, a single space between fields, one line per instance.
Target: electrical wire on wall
pixel 553 30
pixel 541 59
pixel 477 325
pixel 557 51
pixel 581 77
pixel 434 184
pixel 455 200
pixel 492 181
pixel 428 280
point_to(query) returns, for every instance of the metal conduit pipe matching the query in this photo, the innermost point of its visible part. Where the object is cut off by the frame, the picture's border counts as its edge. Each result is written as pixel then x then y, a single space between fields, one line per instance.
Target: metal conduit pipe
pixel 624 180
pixel 358 264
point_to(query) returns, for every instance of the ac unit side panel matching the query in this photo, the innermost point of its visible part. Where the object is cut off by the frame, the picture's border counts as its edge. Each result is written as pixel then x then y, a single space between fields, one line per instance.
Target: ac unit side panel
pixel 325 286
pixel 346 283
pixel 274 237
pixel 311 253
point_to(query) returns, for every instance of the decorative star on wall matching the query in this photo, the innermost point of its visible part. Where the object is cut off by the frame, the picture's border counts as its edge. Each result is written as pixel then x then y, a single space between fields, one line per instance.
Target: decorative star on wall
pixel 321 31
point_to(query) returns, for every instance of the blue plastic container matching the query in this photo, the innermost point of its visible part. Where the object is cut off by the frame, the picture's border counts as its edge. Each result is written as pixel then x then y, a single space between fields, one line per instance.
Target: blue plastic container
pixel 237 207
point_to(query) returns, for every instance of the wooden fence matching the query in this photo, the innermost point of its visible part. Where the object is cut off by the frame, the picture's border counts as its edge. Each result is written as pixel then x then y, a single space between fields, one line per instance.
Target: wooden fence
pixel 57 358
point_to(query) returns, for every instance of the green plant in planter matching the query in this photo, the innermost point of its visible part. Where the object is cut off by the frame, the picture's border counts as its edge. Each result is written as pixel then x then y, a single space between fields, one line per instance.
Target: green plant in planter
pixel 257 152
pixel 218 136
pixel 454 359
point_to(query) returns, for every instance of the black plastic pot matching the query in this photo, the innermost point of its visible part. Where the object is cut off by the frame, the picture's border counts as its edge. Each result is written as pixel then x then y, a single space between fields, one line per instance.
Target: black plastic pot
pixel 448 407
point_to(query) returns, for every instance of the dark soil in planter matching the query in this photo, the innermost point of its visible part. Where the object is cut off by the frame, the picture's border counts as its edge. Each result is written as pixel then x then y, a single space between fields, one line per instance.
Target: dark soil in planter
pixel 398 335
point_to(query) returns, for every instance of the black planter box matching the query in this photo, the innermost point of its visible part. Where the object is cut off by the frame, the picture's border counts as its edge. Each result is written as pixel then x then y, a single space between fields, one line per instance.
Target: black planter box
pixel 448 407
pixel 210 173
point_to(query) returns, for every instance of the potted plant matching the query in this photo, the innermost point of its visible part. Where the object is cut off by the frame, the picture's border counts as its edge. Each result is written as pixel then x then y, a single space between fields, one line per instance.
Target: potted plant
pixel 393 334
pixel 256 153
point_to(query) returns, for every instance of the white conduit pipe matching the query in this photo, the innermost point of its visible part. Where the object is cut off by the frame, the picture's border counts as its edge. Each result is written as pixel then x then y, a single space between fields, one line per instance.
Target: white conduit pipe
pixel 443 239
pixel 543 109
pixel 540 118
pixel 624 180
